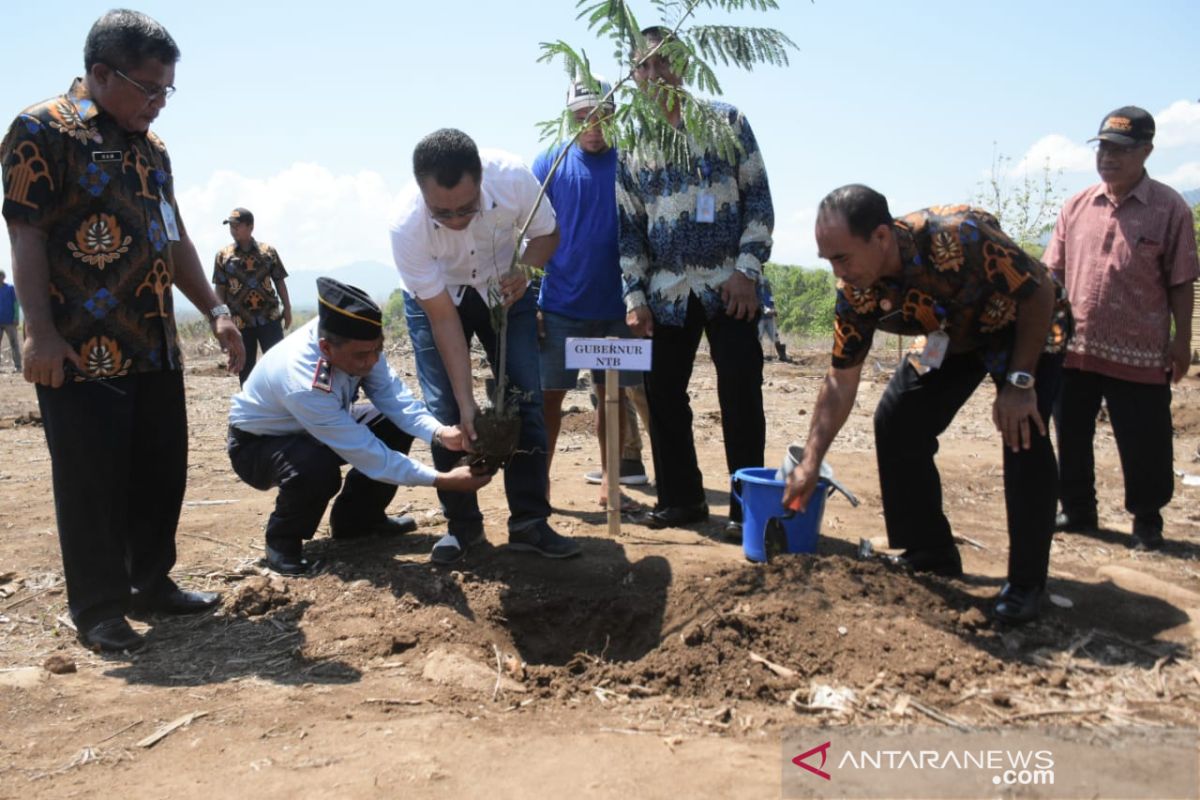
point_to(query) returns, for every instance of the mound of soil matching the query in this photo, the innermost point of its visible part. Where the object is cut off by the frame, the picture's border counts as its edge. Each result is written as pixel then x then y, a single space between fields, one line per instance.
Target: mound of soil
pixel 761 634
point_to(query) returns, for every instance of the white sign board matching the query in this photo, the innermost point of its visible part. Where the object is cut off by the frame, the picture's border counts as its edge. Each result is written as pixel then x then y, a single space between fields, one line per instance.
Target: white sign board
pixel 620 354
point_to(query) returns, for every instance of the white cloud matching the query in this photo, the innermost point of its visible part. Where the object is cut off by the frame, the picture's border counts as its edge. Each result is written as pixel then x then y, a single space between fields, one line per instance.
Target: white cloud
pixel 314 218
pixel 1183 178
pixel 1056 151
pixel 793 238
pixel 1178 125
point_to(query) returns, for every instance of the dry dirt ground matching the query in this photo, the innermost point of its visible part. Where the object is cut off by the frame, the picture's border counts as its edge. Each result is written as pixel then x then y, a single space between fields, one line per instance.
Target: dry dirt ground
pixel 635 671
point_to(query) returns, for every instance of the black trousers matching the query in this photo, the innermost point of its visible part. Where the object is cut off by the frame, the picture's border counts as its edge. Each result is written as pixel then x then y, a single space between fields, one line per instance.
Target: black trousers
pixel 308 474
pixel 912 413
pixel 267 335
pixel 738 358
pixel 1140 414
pixel 118 455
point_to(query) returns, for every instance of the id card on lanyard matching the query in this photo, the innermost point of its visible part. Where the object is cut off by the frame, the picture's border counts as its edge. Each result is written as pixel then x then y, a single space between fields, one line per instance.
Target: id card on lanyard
pixel 936 344
pixel 170 224
pixel 706 202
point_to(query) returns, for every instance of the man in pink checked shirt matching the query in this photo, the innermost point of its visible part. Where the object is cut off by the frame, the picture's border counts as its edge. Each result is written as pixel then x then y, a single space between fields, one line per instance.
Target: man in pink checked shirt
pixel 1126 252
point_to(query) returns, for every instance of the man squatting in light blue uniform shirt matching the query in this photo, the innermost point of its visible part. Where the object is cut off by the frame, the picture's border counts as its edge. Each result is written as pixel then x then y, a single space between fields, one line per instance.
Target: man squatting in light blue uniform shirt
pixel 581 294
pixel 295 423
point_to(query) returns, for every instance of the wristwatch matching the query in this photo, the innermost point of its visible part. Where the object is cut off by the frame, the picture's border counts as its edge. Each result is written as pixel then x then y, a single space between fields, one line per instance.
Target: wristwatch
pixel 220 311
pixel 1021 380
pixel 749 273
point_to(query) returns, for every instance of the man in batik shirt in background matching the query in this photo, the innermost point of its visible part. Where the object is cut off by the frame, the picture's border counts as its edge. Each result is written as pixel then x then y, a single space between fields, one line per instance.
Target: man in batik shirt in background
pixel 694 234
pixel 249 276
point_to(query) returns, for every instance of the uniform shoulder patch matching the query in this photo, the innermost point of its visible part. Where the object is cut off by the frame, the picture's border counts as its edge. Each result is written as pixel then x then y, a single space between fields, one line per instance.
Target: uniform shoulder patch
pixel 323 376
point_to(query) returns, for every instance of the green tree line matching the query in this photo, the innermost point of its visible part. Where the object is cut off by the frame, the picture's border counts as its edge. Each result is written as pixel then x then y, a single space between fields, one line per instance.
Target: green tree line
pixel 804 298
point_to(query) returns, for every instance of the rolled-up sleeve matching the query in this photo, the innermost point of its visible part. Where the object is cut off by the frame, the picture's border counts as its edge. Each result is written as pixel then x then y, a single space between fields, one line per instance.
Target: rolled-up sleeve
pixel 419 273
pixel 526 189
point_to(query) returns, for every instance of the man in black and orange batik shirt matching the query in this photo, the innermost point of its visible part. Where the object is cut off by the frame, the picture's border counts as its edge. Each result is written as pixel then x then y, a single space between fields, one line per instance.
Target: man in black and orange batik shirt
pixel 248 275
pixel 980 307
pixel 97 246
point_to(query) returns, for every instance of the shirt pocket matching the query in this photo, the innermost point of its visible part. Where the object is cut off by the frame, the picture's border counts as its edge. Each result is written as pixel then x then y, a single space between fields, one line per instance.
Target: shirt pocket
pixel 1147 253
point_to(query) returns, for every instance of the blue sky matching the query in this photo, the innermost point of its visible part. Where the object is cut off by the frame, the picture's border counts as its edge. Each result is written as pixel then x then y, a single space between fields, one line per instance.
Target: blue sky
pixel 306 112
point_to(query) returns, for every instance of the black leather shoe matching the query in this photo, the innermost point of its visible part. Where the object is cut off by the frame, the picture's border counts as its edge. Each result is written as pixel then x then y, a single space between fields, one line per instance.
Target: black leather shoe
pixel 732 531
pixel 390 526
pixel 1147 536
pixel 111 636
pixel 176 601
pixel 1086 523
pixel 287 563
pixel 944 561
pixel 674 516
pixel 1016 605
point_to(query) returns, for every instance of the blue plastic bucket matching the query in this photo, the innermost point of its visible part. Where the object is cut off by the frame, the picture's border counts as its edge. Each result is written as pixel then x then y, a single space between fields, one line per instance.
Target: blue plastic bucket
pixel 766 527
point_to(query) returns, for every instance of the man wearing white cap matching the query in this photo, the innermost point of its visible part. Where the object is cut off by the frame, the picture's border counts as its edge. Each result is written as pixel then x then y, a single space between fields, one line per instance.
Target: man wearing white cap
pixel 581 293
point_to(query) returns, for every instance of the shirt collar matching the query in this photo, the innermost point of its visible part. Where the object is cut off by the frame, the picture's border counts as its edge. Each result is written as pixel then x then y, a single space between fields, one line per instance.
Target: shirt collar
pixel 79 96
pixel 486 201
pixel 1141 191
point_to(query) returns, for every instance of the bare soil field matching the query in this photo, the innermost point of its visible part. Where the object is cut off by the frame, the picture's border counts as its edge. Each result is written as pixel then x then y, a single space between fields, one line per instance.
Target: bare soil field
pixel 661 663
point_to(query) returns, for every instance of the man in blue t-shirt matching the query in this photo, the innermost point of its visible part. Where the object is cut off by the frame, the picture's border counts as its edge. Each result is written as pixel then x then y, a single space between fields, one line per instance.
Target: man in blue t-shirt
pixel 581 291
pixel 10 318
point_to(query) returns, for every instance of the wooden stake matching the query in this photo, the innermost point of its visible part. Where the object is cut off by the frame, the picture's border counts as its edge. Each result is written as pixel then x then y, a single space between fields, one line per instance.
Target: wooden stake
pixel 612 448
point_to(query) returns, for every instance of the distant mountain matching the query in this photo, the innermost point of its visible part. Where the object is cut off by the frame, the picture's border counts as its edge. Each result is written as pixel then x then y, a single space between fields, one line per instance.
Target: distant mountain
pixel 374 277
pixel 1192 196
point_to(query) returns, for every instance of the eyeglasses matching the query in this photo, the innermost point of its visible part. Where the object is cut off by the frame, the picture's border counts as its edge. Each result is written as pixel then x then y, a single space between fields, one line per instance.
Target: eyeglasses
pixel 162 92
pixel 445 215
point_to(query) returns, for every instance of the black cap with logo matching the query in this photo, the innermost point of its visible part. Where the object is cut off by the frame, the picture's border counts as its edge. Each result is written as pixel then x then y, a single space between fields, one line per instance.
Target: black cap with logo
pixel 242 215
pixel 1128 125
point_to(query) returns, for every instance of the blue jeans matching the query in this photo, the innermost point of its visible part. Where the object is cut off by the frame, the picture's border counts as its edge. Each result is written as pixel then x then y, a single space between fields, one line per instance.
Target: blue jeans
pixel 559 328
pixel 525 476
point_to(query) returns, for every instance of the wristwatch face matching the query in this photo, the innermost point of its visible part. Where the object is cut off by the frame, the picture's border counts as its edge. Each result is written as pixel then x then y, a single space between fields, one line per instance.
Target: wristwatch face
pixel 219 311
pixel 1021 380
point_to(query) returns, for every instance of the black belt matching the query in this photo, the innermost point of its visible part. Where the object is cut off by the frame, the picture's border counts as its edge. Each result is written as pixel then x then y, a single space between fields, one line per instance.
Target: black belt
pixel 239 436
